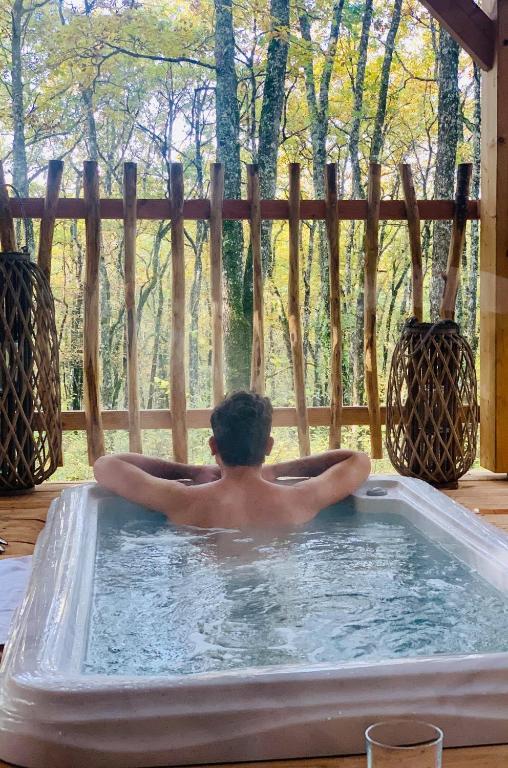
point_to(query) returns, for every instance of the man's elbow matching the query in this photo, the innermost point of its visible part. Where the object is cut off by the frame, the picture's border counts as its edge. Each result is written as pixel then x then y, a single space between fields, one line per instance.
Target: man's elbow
pixel 363 464
pixel 102 469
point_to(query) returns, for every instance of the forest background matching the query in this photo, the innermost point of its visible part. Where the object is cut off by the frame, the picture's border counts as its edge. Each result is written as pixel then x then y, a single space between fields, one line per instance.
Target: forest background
pixel 239 81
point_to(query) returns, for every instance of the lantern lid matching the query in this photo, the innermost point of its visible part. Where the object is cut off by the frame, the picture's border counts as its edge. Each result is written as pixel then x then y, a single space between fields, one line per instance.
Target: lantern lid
pixel 22 254
pixel 440 326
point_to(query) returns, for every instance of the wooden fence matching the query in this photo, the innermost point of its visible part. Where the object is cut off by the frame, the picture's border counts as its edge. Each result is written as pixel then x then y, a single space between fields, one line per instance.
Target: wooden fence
pixel 216 209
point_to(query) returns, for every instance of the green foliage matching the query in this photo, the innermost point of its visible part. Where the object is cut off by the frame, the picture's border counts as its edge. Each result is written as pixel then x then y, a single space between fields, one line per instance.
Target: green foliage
pixel 135 81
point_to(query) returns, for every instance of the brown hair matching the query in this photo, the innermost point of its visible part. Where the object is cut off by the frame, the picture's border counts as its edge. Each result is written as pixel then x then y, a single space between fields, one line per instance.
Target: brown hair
pixel 241 426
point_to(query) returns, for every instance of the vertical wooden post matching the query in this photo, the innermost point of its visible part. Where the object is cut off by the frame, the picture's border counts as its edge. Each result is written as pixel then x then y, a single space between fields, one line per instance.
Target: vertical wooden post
pixel 257 371
pixel 177 353
pixel 415 247
pixel 129 239
pixel 447 309
pixel 54 180
pixel 371 259
pixel 47 229
pixel 415 240
pixel 295 328
pixel 216 197
pixel 493 251
pixel 332 229
pixel 7 232
pixel 91 373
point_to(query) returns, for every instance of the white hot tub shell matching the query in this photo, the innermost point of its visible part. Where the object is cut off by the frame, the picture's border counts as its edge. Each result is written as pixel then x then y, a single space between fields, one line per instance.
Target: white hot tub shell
pixel 54 716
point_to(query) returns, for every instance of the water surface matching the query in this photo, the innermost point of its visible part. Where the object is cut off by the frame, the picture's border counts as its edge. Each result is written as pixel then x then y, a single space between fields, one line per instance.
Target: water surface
pixel 349 586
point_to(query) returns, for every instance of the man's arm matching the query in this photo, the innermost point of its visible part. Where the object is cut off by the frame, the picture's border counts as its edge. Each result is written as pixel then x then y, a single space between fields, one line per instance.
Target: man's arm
pixel 335 483
pixel 309 466
pixel 125 478
pixel 171 470
pixel 128 480
pixel 332 476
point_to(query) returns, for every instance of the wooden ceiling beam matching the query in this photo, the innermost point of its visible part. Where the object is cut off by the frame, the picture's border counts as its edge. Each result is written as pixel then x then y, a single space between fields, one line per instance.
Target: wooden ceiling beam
pixel 468 25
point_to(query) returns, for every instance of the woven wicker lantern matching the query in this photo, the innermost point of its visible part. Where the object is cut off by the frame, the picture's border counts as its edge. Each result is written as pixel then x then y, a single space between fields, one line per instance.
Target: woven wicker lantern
pixel 431 403
pixel 30 421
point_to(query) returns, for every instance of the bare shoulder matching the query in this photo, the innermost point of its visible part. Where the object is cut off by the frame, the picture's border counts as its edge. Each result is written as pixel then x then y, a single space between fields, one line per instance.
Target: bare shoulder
pixel 333 485
pixel 178 501
pixel 294 504
pixel 163 495
pixel 192 504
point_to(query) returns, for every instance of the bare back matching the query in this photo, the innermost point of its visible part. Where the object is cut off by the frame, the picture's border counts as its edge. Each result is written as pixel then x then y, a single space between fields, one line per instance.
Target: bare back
pixel 244 497
pixel 255 504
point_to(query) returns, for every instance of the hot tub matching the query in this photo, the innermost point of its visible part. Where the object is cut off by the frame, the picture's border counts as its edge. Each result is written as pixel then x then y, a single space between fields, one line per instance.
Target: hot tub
pixel 142 645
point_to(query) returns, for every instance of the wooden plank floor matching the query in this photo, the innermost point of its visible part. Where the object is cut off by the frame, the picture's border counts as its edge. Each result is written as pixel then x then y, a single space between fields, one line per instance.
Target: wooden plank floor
pixel 477 757
pixel 22 518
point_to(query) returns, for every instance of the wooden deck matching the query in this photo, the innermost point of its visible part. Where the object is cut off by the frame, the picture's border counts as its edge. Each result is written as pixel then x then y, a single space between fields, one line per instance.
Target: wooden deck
pixel 22 518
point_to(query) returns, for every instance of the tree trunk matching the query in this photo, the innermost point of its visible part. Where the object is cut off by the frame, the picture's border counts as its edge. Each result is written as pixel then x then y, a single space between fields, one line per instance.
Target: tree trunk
pixel 194 388
pixel 19 161
pixel 155 282
pixel 394 294
pixel 271 114
pixel 107 363
pixel 195 391
pixel 76 329
pixel 358 90
pixel 238 325
pixel 379 123
pixel 307 292
pixel 157 270
pixel 90 125
pixel 318 99
pixel 347 357
pixel 359 192
pixel 155 367
pixel 448 110
pixel 472 294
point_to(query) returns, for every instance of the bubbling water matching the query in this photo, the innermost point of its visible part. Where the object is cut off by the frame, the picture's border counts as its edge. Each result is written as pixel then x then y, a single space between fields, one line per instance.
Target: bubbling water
pixel 349 586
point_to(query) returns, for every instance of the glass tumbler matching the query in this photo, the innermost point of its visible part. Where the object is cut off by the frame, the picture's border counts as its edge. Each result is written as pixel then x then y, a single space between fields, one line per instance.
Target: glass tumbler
pixel 405 742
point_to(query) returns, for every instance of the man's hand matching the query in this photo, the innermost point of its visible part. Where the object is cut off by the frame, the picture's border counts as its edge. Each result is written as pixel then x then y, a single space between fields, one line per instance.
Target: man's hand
pixel 209 473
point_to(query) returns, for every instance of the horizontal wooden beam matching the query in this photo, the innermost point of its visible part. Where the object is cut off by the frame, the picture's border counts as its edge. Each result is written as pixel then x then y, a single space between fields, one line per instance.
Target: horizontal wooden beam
pixel 199 418
pixel 468 25
pixel 277 210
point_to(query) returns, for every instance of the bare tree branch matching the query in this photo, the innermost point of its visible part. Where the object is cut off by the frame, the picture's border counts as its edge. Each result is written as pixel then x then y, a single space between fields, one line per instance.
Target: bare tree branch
pixel 153 57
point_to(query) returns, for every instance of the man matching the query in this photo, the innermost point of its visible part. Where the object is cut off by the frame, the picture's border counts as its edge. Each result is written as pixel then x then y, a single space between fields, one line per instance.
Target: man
pixel 239 491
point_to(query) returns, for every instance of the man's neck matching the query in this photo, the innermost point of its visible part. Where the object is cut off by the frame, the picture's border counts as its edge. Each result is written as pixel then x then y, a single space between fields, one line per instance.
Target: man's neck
pixel 241 474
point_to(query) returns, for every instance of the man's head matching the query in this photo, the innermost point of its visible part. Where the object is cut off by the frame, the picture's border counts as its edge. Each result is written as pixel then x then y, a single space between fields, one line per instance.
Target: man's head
pixel 241 427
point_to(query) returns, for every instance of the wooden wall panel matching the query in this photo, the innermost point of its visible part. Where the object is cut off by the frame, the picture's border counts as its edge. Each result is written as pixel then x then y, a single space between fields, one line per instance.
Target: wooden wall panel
pixel 493 254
